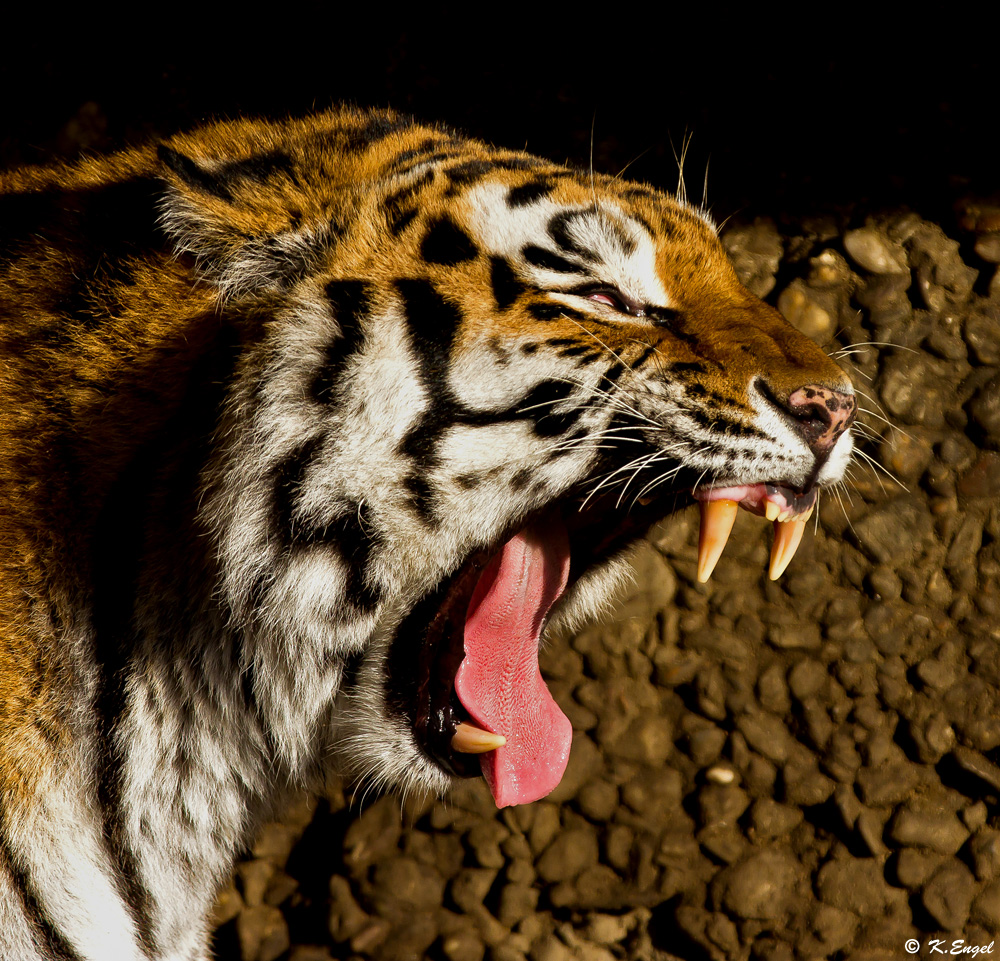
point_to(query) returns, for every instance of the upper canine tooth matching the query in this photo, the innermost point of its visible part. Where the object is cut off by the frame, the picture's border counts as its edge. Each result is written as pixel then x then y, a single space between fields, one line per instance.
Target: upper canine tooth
pixel 787 537
pixel 717 518
pixel 469 739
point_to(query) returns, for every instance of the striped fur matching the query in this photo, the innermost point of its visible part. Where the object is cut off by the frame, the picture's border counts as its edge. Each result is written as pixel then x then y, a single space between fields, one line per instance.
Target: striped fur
pixel 263 389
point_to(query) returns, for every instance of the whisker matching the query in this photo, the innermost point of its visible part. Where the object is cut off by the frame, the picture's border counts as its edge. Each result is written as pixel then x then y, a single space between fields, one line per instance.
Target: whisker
pixel 879 467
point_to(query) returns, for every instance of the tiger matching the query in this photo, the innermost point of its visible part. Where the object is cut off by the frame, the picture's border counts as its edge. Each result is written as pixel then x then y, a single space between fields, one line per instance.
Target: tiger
pixel 310 430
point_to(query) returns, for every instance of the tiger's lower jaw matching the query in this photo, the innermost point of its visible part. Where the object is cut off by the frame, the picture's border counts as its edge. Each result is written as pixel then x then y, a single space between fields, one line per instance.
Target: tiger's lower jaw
pixel 464 673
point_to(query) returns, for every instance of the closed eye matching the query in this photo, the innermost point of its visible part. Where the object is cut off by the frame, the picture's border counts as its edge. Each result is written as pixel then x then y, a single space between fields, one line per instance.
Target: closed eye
pixel 612 297
pixel 609 298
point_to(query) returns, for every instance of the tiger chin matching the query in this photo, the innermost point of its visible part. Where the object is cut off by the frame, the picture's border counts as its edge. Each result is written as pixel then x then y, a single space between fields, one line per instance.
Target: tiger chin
pixel 308 431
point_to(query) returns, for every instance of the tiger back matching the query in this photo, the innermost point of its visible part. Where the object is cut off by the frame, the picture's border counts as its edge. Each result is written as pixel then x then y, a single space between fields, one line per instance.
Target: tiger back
pixel 308 432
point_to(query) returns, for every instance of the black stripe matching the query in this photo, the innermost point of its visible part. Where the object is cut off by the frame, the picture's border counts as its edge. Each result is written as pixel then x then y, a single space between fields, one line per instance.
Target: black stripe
pixel 610 377
pixel 432 323
pixel 576 350
pixel 646 193
pixel 56 946
pixel 193 175
pixel 643 357
pixel 540 257
pixel 101 233
pixel 257 169
pixel 287 481
pixel 447 244
pixel 559 232
pixel 396 203
pixel 351 670
pixel 421 492
pixel 398 224
pixel 718 424
pixel 144 533
pixel 687 367
pixel 350 301
pixel 528 193
pixel 470 171
pixel 553 311
pixel 353 535
pixel 507 286
pixel 377 127
pixel 627 244
pixel 438 147
pixel 539 406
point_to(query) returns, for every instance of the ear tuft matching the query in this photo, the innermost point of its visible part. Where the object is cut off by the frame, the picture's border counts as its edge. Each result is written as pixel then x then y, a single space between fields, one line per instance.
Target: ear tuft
pixel 230 217
pixel 195 177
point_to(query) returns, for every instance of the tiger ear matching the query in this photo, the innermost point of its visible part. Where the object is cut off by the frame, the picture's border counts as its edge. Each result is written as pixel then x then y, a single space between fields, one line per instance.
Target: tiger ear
pixel 232 216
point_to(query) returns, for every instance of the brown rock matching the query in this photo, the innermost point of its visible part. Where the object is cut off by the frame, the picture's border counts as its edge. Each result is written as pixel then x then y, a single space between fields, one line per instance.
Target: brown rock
pixel 598 800
pixel 766 734
pixel 375 833
pixel 254 878
pixel 985 850
pixel 984 409
pixel 914 867
pixel 568 855
pixel 947 896
pixel 804 784
pixel 470 886
pixel 484 840
pixel 402 885
pixel 463 945
pixel 888 783
pixel 871 249
pixel 262 933
pixel 761 887
pixel 813 312
pixel 346 916
pixel 585 763
pixel 856 885
pixel 986 907
pixel 927 825
pixel 228 904
pixel 755 251
pixel 833 929
pixel 516 902
pixel 721 804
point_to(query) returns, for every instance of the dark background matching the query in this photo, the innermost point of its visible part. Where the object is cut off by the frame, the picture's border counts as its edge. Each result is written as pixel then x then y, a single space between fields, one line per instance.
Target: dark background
pixel 791 113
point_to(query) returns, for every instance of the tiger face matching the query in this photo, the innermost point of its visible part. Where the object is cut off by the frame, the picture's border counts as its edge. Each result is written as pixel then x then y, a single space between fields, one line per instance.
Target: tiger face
pixel 310 431
pixel 491 382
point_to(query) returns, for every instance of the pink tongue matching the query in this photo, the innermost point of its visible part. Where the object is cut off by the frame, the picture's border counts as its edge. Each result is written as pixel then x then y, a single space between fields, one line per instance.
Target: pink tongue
pixel 499 682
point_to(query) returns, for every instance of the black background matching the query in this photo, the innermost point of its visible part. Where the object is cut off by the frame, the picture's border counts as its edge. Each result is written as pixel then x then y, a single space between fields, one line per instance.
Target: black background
pixel 791 112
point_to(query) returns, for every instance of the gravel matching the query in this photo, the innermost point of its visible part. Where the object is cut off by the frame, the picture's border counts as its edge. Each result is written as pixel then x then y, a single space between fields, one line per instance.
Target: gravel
pixel 789 771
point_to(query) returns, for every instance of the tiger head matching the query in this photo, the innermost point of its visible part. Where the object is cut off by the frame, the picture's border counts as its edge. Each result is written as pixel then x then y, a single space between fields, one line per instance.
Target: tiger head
pixel 481 377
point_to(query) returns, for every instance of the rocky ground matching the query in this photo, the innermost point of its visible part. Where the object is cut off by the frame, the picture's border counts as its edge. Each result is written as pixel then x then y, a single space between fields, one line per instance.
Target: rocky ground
pixel 806 769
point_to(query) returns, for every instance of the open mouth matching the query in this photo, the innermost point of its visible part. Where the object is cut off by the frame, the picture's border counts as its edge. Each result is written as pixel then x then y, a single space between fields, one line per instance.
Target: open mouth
pixel 464 669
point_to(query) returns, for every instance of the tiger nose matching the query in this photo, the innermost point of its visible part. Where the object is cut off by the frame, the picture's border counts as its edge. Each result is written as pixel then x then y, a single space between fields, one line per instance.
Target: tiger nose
pixel 822 415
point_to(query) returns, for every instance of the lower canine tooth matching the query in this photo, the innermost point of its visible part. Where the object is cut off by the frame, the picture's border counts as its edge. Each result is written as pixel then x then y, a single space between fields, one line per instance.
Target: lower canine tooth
pixel 787 537
pixel 469 739
pixel 717 518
